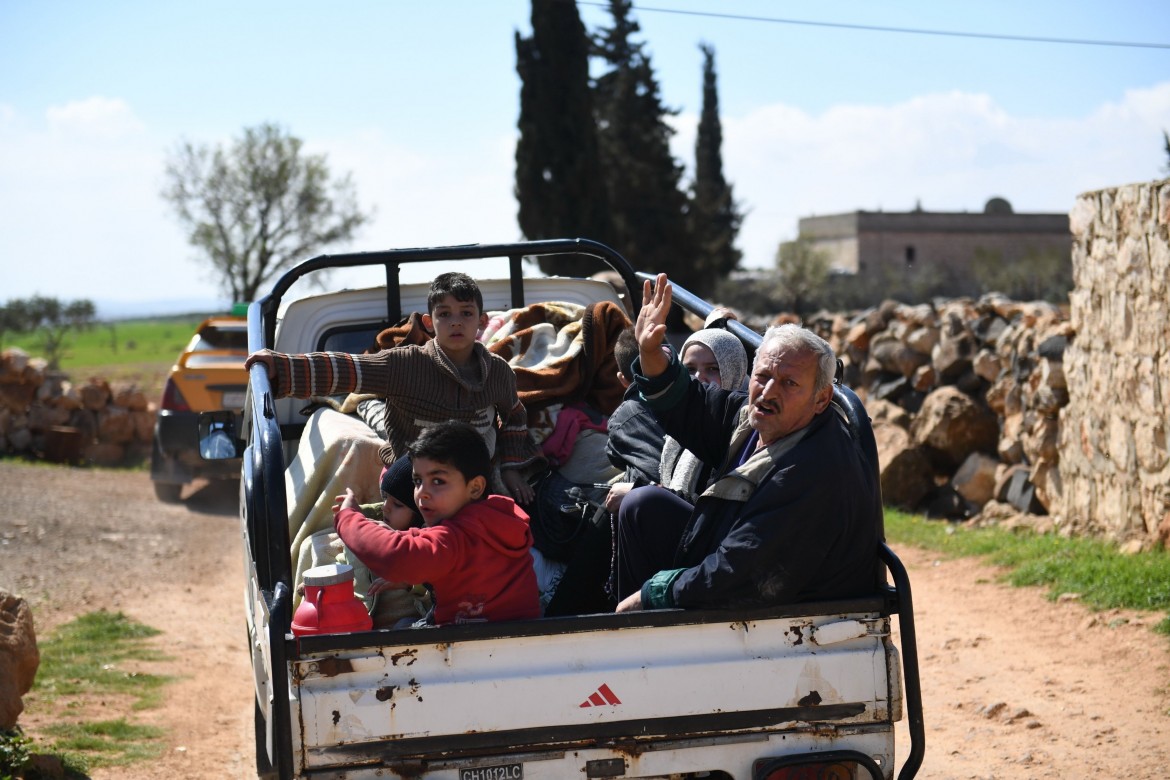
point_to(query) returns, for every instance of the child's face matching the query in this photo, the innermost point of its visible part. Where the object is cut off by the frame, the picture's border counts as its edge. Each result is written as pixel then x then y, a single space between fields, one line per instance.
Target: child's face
pixel 456 323
pixel 700 363
pixel 440 490
pixel 396 514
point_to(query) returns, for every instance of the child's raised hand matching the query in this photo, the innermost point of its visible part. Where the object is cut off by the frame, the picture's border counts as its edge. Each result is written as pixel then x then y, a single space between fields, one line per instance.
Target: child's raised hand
pixel 346 501
pixel 265 358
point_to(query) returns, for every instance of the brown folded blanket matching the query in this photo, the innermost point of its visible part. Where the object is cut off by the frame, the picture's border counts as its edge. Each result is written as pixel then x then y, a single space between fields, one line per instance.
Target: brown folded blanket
pixel 562 353
pixel 581 367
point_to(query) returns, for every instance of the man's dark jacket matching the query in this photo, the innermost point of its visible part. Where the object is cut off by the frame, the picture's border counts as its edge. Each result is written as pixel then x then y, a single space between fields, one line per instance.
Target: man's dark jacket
pixel 800 524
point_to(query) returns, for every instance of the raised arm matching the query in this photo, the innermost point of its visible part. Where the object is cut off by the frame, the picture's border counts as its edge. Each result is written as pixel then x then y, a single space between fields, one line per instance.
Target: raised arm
pixel 650 327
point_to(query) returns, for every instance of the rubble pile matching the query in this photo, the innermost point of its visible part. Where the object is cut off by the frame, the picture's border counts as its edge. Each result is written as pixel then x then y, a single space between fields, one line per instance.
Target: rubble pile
pixel 965 397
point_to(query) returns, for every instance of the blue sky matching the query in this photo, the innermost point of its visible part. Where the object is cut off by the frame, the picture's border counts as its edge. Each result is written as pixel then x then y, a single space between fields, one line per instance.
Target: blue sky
pixel 419 100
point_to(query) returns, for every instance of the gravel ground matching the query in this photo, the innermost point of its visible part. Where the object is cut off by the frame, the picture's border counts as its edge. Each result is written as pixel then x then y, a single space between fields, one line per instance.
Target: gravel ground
pixel 1014 685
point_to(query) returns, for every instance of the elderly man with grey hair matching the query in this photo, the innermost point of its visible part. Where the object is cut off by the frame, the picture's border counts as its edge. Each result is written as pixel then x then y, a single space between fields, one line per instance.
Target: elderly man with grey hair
pixel 795 511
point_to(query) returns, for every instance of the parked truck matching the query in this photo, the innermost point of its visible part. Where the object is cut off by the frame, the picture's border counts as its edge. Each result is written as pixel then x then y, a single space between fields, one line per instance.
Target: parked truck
pixel 784 693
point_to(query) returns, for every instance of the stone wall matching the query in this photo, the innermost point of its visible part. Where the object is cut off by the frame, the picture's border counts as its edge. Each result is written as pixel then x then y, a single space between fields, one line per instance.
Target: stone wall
pixel 1114 464
pixel 45 415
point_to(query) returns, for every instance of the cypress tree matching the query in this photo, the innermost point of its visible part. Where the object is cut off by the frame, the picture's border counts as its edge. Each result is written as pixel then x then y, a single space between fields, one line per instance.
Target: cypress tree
pixel 715 216
pixel 649 208
pixel 559 187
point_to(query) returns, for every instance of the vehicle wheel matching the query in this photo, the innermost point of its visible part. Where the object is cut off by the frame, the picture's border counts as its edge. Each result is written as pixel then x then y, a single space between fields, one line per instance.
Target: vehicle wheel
pixel 168 492
pixel 264 769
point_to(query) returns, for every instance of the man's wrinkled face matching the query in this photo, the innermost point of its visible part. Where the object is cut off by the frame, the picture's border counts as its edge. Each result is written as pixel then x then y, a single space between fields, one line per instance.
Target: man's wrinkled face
pixel 780 394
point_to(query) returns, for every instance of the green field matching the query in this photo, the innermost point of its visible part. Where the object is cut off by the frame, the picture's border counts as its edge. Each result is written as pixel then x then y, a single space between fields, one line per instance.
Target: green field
pixel 117 343
pixel 138 352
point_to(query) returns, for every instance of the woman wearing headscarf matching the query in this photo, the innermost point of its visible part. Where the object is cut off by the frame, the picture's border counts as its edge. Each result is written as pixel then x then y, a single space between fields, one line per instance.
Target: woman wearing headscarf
pixel 715 357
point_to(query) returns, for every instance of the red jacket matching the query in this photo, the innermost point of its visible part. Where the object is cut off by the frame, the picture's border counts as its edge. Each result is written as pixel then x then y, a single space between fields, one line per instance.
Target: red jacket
pixel 477 563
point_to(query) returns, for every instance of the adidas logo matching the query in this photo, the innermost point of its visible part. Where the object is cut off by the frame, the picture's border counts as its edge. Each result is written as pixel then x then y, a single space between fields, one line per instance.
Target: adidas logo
pixel 602 695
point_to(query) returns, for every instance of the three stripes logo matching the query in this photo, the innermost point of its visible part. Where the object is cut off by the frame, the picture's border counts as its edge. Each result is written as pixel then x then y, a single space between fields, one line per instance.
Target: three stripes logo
pixel 600 697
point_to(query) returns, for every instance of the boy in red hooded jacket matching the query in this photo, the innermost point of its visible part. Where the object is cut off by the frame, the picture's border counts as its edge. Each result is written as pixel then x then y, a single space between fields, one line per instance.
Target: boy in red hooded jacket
pixel 473 552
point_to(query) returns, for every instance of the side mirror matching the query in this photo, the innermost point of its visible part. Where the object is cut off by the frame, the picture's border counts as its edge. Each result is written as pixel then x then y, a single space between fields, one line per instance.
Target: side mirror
pixel 217 435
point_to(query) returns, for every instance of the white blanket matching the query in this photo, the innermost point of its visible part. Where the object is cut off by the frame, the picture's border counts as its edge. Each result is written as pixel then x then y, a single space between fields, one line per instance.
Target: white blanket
pixel 336 451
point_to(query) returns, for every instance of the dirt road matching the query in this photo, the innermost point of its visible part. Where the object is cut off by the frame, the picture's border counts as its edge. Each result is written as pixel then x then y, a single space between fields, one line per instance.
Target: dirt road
pixel 1014 686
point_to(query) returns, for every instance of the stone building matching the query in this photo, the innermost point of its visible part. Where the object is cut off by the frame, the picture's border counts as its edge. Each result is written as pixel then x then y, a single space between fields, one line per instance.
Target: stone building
pixel 946 253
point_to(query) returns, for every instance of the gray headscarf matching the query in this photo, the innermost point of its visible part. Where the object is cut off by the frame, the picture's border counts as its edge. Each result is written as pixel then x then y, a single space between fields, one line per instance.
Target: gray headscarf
pixel 680 468
pixel 728 351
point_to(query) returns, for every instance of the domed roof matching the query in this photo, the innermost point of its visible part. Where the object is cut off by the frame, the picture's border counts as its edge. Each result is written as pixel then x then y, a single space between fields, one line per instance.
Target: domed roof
pixel 997 205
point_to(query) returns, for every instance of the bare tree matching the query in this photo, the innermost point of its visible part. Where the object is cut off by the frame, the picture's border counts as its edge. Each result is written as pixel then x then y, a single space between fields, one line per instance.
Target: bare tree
pixel 260 206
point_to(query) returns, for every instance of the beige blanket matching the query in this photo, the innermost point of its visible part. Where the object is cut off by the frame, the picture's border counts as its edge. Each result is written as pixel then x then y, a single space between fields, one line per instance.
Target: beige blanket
pixel 335 451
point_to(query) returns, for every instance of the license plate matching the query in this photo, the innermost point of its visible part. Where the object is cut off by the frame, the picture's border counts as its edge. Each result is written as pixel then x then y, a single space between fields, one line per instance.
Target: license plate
pixel 498 772
pixel 233 399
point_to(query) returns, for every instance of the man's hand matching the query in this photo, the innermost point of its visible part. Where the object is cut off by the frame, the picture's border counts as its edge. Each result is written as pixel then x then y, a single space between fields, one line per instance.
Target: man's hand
pixel 650 327
pixel 264 358
pixel 631 603
pixel 517 486
pixel 717 314
pixel 613 499
pixel 346 501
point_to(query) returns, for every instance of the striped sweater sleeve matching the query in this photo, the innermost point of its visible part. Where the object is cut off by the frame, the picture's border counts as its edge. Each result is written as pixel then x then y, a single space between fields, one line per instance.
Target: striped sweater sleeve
pixel 328 373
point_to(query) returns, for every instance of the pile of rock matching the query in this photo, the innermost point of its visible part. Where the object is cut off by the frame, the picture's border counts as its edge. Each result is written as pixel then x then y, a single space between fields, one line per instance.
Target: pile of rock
pixel 45 415
pixel 19 656
pixel 965 398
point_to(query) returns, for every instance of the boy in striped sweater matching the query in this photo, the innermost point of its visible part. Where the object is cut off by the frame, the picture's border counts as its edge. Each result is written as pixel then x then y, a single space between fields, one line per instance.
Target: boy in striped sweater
pixel 450 377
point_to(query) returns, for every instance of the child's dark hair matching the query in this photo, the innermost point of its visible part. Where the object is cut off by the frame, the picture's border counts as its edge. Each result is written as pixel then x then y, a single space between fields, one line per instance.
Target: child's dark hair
pixel 459 286
pixel 625 349
pixel 455 444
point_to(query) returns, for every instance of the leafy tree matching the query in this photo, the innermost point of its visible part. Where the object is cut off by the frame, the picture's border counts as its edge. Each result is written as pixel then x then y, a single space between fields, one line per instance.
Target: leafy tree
pixel 12 318
pixel 803 271
pixel 1166 141
pixel 751 292
pixel 260 206
pixel 715 217
pixel 649 208
pixel 51 319
pixel 559 187
pixel 1041 274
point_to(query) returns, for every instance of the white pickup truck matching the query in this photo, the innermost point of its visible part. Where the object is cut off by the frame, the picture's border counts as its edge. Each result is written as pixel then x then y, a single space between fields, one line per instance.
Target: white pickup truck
pixel 793 692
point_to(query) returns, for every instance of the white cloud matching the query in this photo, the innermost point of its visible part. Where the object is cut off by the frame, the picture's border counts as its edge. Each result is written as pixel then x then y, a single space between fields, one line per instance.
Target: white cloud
pixel 80 195
pixel 81 211
pixel 949 151
pixel 95 117
pixel 425 198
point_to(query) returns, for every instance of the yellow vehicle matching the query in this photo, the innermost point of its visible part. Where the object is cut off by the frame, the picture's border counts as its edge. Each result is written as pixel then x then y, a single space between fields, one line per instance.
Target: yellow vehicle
pixel 207 376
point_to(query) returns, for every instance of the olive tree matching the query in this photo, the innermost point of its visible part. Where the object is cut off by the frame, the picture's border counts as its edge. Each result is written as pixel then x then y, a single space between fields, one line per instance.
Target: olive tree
pixel 259 206
pixel 49 318
pixel 803 271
